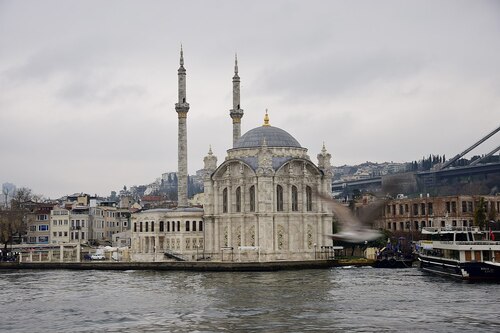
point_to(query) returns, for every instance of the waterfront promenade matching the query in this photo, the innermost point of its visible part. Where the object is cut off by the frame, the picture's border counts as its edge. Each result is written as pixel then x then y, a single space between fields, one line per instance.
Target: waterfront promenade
pixel 189 265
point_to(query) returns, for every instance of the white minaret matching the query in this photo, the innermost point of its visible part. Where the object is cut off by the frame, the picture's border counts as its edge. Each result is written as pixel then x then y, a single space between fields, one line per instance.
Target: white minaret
pixel 236 112
pixel 182 108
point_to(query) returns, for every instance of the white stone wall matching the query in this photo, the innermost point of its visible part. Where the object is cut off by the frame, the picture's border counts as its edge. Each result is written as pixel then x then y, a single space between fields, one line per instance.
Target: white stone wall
pixel 280 235
pixel 151 245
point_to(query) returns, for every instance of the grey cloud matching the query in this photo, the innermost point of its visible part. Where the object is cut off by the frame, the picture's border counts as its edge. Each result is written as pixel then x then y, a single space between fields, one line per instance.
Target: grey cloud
pixel 332 75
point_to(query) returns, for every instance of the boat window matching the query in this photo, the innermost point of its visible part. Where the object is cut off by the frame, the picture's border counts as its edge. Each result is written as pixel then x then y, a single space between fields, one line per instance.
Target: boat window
pixel 461 237
pixel 447 237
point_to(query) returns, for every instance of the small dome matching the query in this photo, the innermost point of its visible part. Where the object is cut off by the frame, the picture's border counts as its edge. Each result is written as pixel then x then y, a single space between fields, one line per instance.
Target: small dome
pixel 275 137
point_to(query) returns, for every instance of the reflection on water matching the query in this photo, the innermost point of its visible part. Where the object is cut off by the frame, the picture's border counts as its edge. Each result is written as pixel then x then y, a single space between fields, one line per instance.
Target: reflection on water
pixel 334 300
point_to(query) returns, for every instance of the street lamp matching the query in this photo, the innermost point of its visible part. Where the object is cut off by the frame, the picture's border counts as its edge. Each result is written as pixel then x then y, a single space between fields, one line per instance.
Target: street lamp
pixel 315 250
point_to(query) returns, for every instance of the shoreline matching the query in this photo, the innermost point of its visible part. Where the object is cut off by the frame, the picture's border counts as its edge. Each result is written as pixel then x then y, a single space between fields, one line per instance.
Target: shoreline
pixel 197 266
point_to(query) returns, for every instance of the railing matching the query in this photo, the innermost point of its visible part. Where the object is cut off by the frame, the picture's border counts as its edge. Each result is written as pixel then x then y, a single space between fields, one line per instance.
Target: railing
pixel 449 228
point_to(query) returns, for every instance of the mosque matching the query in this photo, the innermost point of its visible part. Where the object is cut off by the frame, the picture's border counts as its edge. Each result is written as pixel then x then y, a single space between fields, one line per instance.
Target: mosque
pixel 261 203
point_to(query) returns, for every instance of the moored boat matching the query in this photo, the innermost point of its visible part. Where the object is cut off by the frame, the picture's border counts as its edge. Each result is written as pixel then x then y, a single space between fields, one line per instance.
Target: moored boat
pixel 395 256
pixel 460 252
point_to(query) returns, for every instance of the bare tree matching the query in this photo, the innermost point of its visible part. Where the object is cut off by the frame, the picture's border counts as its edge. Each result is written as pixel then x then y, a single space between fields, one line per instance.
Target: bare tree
pixel 12 219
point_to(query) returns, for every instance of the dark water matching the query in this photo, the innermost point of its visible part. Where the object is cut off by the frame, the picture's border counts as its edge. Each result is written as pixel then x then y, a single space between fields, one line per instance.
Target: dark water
pixel 334 300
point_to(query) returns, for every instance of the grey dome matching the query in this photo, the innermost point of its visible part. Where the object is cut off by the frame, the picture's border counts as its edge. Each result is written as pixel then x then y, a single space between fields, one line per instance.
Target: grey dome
pixel 275 137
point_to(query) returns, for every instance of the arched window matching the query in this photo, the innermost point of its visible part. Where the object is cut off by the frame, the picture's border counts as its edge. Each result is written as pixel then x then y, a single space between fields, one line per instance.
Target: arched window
pixel 147 229
pixel 187 225
pixel 135 227
pixel 279 198
pixel 224 200
pixel 152 226
pixel 295 199
pixel 168 226
pixel 140 226
pixel 252 198
pixel 194 226
pixel 238 199
pixel 178 226
pixel 308 198
pixel 200 226
pixel 162 226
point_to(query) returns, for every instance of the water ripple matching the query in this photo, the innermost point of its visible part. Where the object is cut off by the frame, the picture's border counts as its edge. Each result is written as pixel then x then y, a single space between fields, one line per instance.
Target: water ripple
pixel 335 300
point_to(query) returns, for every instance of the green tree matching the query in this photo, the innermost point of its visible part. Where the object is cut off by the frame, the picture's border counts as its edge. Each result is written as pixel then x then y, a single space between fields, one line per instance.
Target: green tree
pixel 480 214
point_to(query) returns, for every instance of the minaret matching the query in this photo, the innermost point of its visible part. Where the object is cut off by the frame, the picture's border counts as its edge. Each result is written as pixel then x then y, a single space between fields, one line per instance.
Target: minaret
pixel 236 112
pixel 182 108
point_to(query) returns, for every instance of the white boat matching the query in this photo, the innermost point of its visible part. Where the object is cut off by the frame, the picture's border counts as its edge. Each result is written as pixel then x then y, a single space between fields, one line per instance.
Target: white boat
pixel 461 252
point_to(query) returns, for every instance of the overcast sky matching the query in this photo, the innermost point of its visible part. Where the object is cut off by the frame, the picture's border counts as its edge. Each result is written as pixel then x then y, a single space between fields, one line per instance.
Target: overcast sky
pixel 87 88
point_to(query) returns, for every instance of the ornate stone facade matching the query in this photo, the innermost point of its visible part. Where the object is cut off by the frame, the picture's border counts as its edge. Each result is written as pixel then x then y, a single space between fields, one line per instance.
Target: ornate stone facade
pixel 175 232
pixel 261 203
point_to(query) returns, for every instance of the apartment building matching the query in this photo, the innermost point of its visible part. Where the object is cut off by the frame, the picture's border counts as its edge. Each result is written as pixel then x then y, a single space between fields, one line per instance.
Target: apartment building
pixel 38 223
pixel 59 225
pixel 413 214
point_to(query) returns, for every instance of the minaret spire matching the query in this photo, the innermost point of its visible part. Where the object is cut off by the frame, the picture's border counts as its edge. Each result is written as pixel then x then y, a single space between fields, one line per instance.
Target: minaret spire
pixel 236 112
pixel 182 108
pixel 235 64
pixel 182 57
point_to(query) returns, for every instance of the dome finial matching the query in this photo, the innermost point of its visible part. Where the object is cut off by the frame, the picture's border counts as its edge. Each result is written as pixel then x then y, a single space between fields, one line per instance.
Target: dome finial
pixel 266 120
